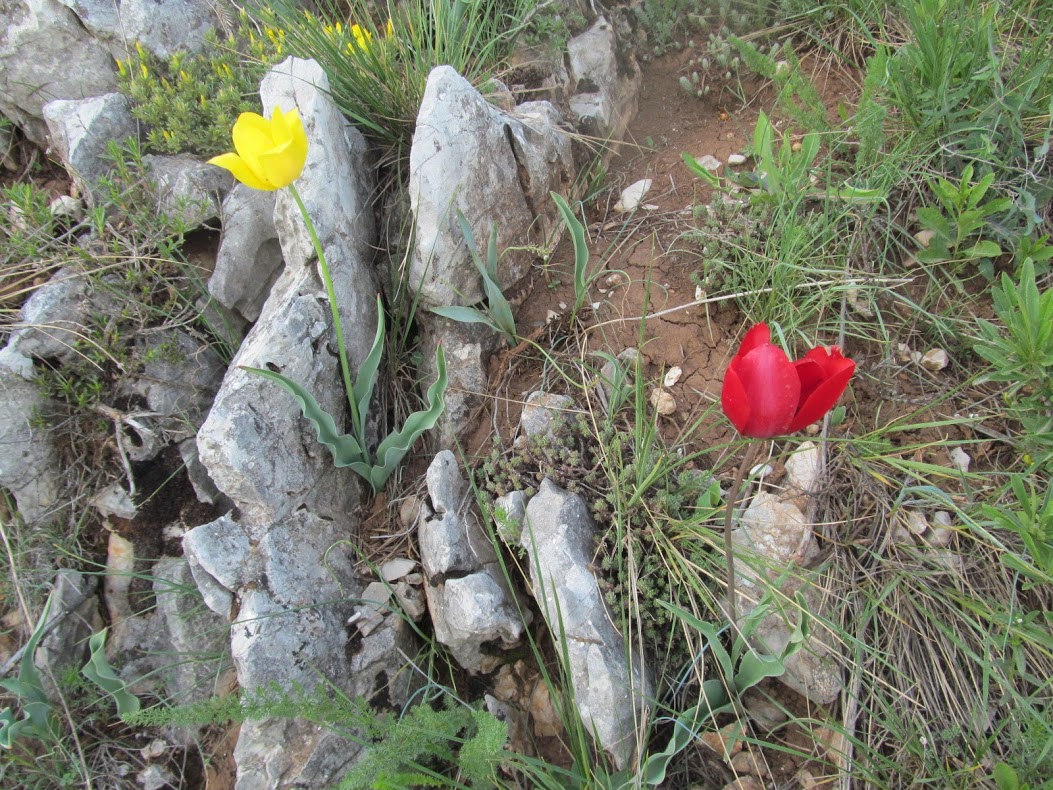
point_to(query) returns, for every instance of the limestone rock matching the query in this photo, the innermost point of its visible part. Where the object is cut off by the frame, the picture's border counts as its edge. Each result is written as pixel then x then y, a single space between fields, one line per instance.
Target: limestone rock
pixel 187 188
pixel 541 412
pixel 467 348
pixel 605 94
pixel 451 538
pixel 46 54
pixel 775 536
pixel 180 378
pixel 81 131
pixel 803 471
pixel 294 588
pixel 472 611
pixel 204 488
pixel 256 446
pixel 494 167
pixel 30 465
pixel 610 693
pixel 54 317
pixel 469 601
pixel 250 256
pixel 163 27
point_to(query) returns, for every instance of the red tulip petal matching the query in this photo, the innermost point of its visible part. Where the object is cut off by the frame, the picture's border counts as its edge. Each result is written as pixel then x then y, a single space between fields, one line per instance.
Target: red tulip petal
pixel 733 400
pixel 772 388
pixel 758 336
pixel 811 374
pixel 823 397
pixel 829 359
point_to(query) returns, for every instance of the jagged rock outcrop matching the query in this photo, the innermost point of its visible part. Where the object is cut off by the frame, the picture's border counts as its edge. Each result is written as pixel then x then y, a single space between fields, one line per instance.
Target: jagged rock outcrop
pixel 610 690
pixel 473 611
pixel 281 569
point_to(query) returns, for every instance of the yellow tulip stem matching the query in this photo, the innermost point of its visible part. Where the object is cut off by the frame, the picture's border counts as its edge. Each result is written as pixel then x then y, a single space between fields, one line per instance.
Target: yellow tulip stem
pixel 323 267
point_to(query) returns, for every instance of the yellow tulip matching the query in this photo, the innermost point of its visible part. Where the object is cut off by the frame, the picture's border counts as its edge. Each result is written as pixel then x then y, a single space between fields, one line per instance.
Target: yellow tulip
pixel 270 154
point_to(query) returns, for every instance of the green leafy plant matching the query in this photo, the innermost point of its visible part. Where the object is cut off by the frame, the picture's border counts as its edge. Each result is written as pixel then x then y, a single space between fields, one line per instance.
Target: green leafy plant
pixel 190 100
pixel 1030 517
pixel 582 279
pixel 1006 778
pixel 741 668
pixel 351 450
pixel 416 748
pixel 798 97
pixel 960 220
pixel 498 312
pixel 782 176
pixel 400 756
pixel 38 719
pixel 1022 353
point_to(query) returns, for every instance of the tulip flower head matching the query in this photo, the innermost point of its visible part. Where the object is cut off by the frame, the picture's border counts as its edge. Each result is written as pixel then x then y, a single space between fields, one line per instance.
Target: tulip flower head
pixel 270 154
pixel 765 394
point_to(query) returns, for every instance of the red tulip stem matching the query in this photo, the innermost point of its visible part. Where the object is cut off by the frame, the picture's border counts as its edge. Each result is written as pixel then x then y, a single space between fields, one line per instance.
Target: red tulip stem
pixel 327 279
pixel 729 553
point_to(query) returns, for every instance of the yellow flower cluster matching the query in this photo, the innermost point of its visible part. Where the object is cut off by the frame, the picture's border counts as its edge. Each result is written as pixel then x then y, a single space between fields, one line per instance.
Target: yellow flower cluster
pixel 361 38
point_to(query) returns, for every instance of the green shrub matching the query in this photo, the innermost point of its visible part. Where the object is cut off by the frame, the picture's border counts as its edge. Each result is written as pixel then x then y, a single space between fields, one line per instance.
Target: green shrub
pixel 190 101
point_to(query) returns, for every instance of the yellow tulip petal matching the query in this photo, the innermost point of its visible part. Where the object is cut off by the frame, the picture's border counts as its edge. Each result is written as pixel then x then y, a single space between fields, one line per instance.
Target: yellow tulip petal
pixel 252 136
pixel 297 135
pixel 283 164
pixel 241 171
pixel 281 125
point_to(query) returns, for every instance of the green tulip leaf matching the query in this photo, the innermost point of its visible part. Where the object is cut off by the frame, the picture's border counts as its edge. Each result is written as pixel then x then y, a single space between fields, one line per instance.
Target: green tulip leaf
pixel 367 373
pixel 99 672
pixel 466 315
pixel 345 448
pixel 581 250
pixel 37 717
pixel 396 445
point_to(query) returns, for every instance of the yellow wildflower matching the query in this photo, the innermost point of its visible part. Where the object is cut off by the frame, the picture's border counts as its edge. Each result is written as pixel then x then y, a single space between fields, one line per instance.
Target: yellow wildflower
pixel 362 37
pixel 390 28
pixel 270 154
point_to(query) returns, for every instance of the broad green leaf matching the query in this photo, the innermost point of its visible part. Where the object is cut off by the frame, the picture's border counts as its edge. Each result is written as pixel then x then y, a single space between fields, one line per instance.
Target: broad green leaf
pixel 344 447
pixel 466 315
pixel 982 249
pixel 754 667
pixel 581 251
pixel 860 195
pixel 1005 777
pixel 37 717
pixel 99 672
pixel 396 445
pixel 693 165
pixel 367 373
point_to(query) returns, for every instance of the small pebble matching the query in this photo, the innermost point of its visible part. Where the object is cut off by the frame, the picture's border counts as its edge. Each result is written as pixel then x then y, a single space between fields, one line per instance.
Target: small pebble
pixel 663 402
pixel 935 359
pixel 736 159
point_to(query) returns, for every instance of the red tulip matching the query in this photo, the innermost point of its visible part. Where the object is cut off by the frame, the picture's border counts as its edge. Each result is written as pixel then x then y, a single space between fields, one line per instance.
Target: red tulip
pixel 766 395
